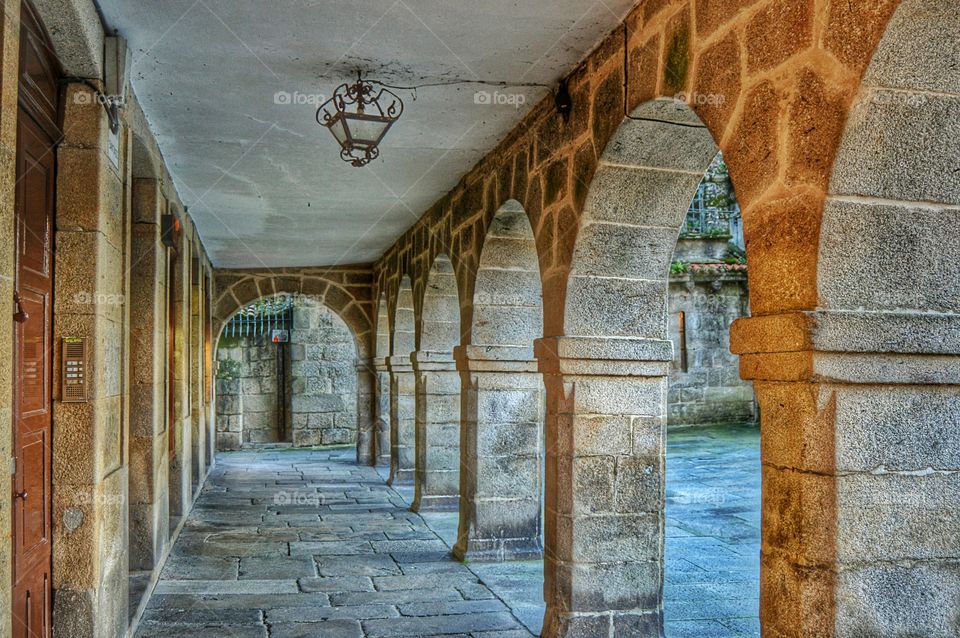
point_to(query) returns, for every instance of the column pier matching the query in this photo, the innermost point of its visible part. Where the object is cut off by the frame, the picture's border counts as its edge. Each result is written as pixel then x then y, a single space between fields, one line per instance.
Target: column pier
pixel 606 420
pixel 366 421
pixel 402 420
pixel 437 476
pixel 860 440
pixel 382 412
pixel 502 454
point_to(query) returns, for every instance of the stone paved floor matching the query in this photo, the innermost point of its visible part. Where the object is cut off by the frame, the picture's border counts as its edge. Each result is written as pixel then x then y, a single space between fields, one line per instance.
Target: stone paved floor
pixel 713 533
pixel 713 539
pixel 291 544
pixel 296 544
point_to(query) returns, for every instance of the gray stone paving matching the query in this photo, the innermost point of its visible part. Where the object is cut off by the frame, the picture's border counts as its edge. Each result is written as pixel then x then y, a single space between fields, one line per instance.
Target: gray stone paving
pixel 296 544
pixel 713 533
pixel 301 543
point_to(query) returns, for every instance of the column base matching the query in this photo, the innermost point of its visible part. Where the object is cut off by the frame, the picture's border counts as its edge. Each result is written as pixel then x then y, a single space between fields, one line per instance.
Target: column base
pixel 401 477
pixel 498 550
pixel 436 504
pixel 616 624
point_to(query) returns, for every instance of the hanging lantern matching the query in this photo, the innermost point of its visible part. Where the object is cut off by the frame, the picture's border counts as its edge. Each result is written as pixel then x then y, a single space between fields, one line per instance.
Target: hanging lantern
pixel 359 115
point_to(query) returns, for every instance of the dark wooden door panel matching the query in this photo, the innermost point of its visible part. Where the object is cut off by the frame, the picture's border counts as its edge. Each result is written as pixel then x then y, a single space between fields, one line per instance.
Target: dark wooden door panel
pixel 37 138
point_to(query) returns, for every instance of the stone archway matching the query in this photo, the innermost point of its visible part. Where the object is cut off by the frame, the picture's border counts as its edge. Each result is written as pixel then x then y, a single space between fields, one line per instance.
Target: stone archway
pixel 606 379
pixel 437 482
pixel 344 291
pixel 859 396
pixel 501 470
pixel 303 392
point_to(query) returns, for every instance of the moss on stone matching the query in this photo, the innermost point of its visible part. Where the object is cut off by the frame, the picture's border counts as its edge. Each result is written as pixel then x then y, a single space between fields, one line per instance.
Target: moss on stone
pixel 678 60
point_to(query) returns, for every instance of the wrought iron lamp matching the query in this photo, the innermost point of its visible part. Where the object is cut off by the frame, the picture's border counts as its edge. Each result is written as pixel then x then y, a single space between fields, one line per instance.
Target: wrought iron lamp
pixel 359 115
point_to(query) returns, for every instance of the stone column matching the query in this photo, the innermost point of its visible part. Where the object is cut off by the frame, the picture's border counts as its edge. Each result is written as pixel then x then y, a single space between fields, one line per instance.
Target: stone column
pixel 501 452
pixel 860 437
pixel 402 420
pixel 382 411
pixel 606 418
pixel 437 480
pixel 366 424
pixel 147 443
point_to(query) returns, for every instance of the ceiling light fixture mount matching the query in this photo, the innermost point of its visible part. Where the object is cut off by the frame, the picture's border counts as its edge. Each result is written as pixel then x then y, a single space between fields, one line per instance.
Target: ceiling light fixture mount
pixel 359 116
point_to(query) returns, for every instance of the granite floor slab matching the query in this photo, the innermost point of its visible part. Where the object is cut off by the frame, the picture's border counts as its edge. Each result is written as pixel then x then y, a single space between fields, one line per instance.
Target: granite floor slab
pixel 293 543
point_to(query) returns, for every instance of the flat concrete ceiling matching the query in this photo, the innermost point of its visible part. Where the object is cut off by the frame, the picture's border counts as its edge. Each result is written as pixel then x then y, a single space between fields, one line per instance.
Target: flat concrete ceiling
pixel 230 88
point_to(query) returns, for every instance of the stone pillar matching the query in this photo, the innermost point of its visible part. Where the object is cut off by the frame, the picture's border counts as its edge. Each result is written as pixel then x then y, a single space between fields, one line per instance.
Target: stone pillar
pixel 366 424
pixel 437 480
pixel 501 467
pixel 382 411
pixel 606 418
pixel 147 443
pixel 197 412
pixel 402 420
pixel 860 436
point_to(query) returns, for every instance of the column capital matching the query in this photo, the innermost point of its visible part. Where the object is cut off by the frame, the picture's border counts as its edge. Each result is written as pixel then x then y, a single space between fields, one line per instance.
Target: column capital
pixel 399 363
pixel 432 360
pixel 604 356
pixel 849 347
pixel 494 359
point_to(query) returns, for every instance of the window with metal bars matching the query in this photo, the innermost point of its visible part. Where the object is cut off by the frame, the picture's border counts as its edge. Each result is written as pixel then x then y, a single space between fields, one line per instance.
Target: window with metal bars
pixel 261 318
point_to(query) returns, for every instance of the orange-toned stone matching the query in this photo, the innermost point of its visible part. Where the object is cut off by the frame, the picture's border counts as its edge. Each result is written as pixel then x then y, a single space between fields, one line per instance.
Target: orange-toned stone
pixel 752 151
pixel 607 109
pixel 712 14
pixel 643 71
pixel 716 87
pixel 783 235
pixel 853 29
pixel 817 115
pixel 779 31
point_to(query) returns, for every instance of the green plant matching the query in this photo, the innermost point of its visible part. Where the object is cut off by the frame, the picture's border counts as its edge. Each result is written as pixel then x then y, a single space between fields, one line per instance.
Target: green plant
pixel 735 255
pixel 679 268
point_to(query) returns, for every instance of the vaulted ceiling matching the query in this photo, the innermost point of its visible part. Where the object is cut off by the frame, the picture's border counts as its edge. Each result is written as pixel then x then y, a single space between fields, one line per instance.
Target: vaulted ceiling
pixel 230 88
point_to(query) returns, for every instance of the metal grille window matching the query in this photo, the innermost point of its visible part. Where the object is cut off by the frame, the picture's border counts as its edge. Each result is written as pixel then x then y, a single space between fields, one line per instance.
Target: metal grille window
pixel 262 318
pixel 714 211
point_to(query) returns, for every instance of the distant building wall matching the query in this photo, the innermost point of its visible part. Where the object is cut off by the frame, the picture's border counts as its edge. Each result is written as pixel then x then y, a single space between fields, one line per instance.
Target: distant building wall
pixel 710 391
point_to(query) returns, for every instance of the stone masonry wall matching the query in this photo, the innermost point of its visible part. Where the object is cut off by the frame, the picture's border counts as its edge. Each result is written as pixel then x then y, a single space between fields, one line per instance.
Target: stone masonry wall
pixel 247 398
pixel 323 377
pixel 711 390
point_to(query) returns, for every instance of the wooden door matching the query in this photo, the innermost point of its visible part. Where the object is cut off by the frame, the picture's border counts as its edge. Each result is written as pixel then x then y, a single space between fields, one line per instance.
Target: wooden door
pixel 37 138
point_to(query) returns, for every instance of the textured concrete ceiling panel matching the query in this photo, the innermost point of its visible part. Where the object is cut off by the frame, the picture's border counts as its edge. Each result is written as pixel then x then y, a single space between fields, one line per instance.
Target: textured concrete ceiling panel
pixel 230 88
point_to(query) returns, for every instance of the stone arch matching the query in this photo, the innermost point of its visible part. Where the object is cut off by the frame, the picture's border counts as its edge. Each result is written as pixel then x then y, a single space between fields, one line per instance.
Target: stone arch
pixel 402 386
pixel 630 222
pixel 403 327
pixel 437 476
pixel 439 324
pixel 333 287
pixel 507 308
pixel 502 466
pixel 878 428
pixel 606 379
